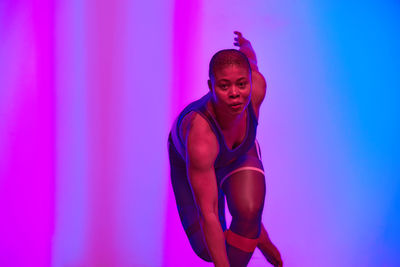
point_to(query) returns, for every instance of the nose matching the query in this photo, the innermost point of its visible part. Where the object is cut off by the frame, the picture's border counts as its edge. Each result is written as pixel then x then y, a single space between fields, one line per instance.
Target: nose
pixel 234 93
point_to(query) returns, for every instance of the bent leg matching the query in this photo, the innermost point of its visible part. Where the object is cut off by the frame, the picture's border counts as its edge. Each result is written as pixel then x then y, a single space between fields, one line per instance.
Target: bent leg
pixel 245 194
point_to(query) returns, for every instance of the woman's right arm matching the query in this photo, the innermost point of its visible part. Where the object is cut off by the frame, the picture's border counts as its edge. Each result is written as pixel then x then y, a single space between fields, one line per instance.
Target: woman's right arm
pixel 201 152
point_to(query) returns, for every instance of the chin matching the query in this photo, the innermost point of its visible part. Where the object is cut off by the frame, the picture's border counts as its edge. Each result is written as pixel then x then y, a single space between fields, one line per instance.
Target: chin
pixel 236 111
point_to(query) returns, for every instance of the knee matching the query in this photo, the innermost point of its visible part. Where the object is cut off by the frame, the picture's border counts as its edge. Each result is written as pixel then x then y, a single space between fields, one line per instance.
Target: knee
pixel 247 222
pixel 249 213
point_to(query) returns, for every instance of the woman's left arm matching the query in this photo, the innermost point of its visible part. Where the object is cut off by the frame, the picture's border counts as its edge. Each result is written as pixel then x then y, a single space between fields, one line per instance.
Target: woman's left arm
pixel 258 81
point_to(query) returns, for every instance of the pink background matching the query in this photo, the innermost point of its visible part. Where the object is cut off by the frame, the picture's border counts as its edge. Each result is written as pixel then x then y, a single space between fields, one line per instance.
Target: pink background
pixel 88 93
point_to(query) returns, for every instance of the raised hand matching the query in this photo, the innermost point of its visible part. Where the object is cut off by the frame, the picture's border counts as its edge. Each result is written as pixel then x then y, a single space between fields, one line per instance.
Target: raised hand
pixel 245 47
pixel 240 40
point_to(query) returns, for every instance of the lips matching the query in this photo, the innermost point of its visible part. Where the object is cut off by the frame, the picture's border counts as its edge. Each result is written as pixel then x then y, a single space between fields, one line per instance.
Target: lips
pixel 235 105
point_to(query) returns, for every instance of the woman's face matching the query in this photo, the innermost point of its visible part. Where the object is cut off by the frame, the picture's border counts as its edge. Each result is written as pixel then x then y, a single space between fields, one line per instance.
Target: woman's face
pixel 231 89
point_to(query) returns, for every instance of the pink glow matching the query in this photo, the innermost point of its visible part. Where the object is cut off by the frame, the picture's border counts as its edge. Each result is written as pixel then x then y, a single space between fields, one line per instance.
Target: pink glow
pixel 89 90
pixel 185 84
pixel 27 182
pixel 102 22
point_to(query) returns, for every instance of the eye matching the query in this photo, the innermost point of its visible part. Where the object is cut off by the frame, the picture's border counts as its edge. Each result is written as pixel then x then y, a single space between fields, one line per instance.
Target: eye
pixel 223 86
pixel 242 84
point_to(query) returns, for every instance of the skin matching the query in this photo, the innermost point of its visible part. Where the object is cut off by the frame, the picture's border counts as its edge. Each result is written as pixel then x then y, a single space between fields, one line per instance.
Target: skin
pixel 231 84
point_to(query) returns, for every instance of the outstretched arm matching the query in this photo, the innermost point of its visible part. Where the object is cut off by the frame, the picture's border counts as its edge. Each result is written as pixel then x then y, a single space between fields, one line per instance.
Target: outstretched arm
pixel 269 250
pixel 257 79
pixel 246 48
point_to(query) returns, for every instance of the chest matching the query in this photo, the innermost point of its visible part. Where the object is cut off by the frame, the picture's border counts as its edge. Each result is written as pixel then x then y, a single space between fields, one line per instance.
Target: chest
pixel 235 136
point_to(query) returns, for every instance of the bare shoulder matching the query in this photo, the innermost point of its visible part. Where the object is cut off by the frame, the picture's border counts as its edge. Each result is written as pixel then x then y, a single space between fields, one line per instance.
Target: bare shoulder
pixel 259 89
pixel 200 141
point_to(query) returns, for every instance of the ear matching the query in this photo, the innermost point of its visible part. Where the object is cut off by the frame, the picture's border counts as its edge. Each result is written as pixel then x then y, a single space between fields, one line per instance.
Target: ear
pixel 209 85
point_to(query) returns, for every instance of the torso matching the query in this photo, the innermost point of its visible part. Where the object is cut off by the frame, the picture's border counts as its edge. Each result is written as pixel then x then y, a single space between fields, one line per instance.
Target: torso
pixel 233 137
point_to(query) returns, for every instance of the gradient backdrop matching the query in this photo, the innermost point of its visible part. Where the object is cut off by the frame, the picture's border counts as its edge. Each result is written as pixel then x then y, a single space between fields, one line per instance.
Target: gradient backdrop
pixel 89 90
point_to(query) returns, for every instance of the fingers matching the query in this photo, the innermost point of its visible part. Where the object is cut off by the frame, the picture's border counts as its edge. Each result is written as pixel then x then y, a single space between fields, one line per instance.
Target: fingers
pixel 239 40
pixel 236 43
pixel 239 34
pixel 277 263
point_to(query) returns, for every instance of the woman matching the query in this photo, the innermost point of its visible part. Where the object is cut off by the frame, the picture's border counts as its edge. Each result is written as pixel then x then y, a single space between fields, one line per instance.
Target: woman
pixel 214 152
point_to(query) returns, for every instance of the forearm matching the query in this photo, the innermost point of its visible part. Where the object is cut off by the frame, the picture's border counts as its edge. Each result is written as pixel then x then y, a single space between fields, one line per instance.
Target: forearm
pixel 248 50
pixel 215 240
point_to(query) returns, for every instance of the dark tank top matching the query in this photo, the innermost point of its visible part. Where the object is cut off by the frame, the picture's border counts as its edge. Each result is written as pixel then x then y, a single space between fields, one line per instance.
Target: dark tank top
pixel 225 155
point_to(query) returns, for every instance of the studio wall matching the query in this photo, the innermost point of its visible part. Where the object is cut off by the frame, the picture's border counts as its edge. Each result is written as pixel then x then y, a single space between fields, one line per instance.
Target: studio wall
pixel 89 91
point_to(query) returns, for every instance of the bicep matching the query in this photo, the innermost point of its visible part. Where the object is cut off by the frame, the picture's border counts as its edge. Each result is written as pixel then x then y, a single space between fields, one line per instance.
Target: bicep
pixel 201 153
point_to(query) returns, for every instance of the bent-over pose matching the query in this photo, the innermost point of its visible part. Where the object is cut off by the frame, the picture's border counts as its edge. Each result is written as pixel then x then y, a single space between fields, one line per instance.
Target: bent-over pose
pixel 214 153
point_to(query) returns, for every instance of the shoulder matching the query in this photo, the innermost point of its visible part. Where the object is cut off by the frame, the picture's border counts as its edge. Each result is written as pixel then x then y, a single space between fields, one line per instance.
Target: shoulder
pixel 199 139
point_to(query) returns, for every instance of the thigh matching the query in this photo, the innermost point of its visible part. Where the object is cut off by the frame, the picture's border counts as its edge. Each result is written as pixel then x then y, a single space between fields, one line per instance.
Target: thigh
pixel 245 193
pixel 244 183
pixel 251 160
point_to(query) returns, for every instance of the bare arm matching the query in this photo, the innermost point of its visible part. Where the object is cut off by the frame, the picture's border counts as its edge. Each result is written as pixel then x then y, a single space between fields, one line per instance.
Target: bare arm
pixel 246 48
pixel 257 96
pixel 258 81
pixel 201 152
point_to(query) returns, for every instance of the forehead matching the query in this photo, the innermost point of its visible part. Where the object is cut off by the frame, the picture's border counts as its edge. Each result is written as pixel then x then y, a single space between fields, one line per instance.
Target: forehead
pixel 231 72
